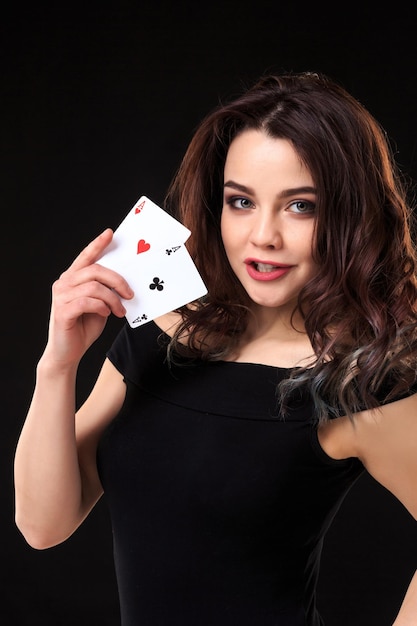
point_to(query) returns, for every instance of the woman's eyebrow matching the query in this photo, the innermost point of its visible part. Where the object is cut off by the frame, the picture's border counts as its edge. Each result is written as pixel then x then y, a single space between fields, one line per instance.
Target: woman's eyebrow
pixel 292 191
pixel 238 186
pixel 296 190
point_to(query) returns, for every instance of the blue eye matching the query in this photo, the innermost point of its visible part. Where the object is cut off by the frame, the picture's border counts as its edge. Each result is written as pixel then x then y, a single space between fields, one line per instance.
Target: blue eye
pixel 240 203
pixel 302 207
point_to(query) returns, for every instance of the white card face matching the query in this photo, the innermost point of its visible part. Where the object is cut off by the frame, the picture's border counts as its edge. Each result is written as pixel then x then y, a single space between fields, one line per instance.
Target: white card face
pixel 162 282
pixel 144 228
pixel 150 254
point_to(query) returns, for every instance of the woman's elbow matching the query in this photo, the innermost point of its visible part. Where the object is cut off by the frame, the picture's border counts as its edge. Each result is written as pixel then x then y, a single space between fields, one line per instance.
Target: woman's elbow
pixel 37 537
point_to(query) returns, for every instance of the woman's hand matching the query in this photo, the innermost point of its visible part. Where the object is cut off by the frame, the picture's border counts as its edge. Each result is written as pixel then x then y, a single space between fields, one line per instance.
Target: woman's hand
pixel 82 299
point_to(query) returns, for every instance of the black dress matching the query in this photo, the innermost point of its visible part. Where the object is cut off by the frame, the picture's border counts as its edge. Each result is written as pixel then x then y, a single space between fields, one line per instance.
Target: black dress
pixel 218 505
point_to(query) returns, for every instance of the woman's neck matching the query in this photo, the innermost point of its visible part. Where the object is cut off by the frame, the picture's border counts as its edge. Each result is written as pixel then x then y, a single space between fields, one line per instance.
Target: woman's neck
pixel 274 339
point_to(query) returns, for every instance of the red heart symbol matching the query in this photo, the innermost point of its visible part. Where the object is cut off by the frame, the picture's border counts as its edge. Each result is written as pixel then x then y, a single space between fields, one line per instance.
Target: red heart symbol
pixel 143 246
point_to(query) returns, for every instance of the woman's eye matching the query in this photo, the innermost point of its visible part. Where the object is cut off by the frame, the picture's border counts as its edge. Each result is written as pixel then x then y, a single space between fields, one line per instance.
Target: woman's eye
pixel 240 203
pixel 302 206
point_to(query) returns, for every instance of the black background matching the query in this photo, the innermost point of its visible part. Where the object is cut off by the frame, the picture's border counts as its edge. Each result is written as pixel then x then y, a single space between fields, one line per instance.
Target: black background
pixel 99 101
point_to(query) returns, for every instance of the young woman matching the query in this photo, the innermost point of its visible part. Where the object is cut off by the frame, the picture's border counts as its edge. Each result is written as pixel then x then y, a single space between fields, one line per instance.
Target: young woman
pixel 226 434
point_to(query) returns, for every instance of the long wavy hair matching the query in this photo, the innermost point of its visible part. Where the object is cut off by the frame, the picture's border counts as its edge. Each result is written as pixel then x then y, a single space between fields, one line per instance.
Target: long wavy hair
pixel 360 309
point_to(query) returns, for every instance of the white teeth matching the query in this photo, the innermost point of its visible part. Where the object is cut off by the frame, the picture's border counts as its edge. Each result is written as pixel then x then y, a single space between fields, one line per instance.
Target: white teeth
pixel 265 267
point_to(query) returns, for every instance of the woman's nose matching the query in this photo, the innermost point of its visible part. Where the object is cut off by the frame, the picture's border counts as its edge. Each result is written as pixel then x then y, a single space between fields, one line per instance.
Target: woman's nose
pixel 266 231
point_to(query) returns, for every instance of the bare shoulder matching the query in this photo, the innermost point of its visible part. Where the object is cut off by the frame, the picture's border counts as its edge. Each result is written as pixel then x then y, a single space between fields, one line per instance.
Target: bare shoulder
pixel 395 421
pixel 393 424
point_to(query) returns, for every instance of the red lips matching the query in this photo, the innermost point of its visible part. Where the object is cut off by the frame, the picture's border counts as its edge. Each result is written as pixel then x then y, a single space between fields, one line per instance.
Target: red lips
pixel 266 270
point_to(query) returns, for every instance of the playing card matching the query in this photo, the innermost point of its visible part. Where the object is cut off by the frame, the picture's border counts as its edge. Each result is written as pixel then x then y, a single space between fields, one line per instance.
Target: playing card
pixel 166 280
pixel 150 254
pixel 144 228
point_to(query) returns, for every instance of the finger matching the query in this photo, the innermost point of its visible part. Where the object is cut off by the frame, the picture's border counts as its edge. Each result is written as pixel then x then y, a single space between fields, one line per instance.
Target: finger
pixel 93 275
pixel 67 291
pixel 93 250
pixel 79 307
pixel 98 292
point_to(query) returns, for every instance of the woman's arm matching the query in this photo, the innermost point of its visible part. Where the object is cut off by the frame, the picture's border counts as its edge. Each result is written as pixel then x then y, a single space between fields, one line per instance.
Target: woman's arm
pixel 407 615
pixel 385 440
pixel 56 481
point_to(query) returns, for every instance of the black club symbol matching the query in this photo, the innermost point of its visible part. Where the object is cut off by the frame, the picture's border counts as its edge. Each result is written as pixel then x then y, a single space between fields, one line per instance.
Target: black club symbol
pixel 169 251
pixel 157 284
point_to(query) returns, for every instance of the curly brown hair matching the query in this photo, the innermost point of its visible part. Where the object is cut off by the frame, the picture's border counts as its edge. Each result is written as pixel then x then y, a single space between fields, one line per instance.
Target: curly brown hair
pixel 360 310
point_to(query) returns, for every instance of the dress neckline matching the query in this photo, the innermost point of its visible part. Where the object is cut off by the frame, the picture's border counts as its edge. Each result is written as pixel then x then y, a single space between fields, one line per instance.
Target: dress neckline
pixel 278 368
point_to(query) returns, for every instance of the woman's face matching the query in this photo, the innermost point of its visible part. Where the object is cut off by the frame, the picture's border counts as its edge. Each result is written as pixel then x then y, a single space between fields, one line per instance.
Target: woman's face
pixel 268 218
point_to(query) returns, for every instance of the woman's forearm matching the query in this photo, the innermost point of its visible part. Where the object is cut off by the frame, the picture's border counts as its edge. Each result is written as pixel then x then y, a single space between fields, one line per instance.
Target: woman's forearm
pixel 47 475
